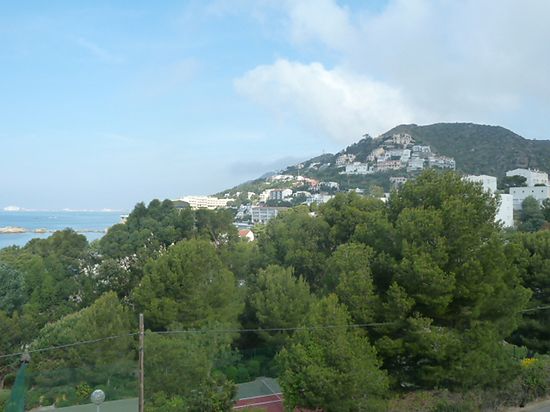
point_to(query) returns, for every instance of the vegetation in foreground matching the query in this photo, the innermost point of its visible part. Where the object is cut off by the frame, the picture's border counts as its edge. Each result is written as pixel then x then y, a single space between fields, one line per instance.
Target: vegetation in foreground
pixel 423 303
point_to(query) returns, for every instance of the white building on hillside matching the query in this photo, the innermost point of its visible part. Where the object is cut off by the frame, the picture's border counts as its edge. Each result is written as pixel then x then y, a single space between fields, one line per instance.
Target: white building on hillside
pixel 505 212
pixel 261 214
pixel 357 169
pixel 415 164
pixel 205 202
pixel 280 194
pixel 532 177
pixel 540 193
pixel 488 182
pixel 344 159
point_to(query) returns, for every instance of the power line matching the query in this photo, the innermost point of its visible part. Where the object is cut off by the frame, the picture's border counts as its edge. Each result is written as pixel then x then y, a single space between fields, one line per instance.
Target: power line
pixel 289 329
pixel 192 331
pixel 68 345
pixel 206 331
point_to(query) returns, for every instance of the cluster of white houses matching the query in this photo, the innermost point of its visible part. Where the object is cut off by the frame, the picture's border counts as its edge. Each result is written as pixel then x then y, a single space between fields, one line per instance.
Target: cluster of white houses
pixel 537 187
pixel 396 152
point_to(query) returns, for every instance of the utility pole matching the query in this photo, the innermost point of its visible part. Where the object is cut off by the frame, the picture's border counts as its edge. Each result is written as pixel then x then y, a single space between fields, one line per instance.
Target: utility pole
pixel 141 371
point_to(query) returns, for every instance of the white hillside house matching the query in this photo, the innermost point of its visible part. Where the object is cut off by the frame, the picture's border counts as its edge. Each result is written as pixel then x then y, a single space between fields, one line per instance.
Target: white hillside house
pixel 532 177
pixel 540 193
pixel 344 159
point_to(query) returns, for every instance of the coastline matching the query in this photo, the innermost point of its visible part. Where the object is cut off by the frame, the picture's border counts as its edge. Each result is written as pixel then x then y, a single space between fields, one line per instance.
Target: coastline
pixel 10 230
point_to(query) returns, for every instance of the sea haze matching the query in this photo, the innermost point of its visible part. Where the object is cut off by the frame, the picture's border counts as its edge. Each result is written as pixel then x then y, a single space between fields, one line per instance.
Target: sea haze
pixel 90 224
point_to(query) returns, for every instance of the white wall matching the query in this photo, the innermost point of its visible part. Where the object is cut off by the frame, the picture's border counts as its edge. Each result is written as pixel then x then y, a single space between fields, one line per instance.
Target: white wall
pixel 505 212
pixel 521 193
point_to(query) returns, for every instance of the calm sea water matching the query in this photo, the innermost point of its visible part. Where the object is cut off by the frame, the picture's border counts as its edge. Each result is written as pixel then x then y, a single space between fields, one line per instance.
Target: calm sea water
pixel 78 221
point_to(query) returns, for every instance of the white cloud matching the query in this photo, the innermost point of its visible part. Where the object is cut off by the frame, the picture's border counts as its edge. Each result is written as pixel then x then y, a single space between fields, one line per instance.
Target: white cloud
pixel 335 102
pixel 308 21
pixel 421 60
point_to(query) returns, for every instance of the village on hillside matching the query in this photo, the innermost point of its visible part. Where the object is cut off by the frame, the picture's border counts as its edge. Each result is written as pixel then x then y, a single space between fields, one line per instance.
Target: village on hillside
pixel 397 153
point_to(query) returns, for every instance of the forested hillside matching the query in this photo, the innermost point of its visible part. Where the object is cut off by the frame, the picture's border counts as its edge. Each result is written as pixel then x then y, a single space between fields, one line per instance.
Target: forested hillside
pixel 481 149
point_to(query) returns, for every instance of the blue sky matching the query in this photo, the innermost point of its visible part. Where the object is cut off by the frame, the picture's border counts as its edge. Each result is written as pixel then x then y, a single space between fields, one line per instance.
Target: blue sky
pixel 104 104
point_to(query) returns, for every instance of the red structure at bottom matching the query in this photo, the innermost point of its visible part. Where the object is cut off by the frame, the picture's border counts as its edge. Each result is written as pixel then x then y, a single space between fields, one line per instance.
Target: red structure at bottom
pixel 270 403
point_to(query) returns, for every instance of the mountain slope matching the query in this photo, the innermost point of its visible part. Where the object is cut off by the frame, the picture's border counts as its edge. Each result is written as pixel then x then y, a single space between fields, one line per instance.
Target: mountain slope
pixel 481 149
pixel 476 149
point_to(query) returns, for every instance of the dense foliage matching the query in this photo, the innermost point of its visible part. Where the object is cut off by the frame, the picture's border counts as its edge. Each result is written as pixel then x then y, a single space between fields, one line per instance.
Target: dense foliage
pixel 355 305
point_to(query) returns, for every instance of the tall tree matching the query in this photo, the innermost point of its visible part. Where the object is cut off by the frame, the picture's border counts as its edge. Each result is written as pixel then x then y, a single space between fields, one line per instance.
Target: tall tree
pixel 279 300
pixel 189 286
pixel 350 277
pixel 12 289
pixel 181 375
pixel 106 362
pixel 531 253
pixel 331 367
pixel 531 216
pixel 455 292
pixel 298 239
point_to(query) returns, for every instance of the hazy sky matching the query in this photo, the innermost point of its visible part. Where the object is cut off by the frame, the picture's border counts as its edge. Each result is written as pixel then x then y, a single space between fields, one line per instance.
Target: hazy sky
pixel 104 104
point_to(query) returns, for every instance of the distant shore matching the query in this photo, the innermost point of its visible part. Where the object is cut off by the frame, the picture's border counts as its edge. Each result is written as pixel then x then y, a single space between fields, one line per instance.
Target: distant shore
pixel 10 230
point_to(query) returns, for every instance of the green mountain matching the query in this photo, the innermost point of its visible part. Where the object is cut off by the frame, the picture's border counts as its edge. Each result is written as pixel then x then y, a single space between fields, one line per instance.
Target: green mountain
pixel 481 149
pixel 476 149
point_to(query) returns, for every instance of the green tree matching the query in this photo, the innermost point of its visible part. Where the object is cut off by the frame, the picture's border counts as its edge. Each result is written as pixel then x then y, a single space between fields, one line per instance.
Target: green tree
pixel 333 368
pixel 181 375
pixel 190 286
pixel 106 317
pixel 10 342
pixel 295 238
pixel 506 182
pixel 376 191
pixel 108 363
pixel 147 230
pixel 454 289
pixel 345 212
pixel 216 225
pixel 532 217
pixel 243 258
pixel 350 277
pixel 531 252
pixel 12 289
pixel 279 300
pixel 546 209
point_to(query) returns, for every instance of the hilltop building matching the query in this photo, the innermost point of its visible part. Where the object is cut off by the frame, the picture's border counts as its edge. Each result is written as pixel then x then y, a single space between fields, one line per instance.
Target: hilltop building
pixel 532 177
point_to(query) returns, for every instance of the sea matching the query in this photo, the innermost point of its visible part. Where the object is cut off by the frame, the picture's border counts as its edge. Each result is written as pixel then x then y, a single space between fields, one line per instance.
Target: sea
pixel 91 224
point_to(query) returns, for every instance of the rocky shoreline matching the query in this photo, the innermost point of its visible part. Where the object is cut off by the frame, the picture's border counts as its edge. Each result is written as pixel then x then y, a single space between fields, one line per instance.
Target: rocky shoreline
pixel 9 230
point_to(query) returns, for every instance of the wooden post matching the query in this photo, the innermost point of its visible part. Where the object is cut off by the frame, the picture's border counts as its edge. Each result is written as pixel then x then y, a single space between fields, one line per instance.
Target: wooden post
pixel 141 371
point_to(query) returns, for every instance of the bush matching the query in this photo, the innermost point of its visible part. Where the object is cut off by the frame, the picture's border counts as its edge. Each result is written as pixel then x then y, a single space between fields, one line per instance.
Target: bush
pixel 4 396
